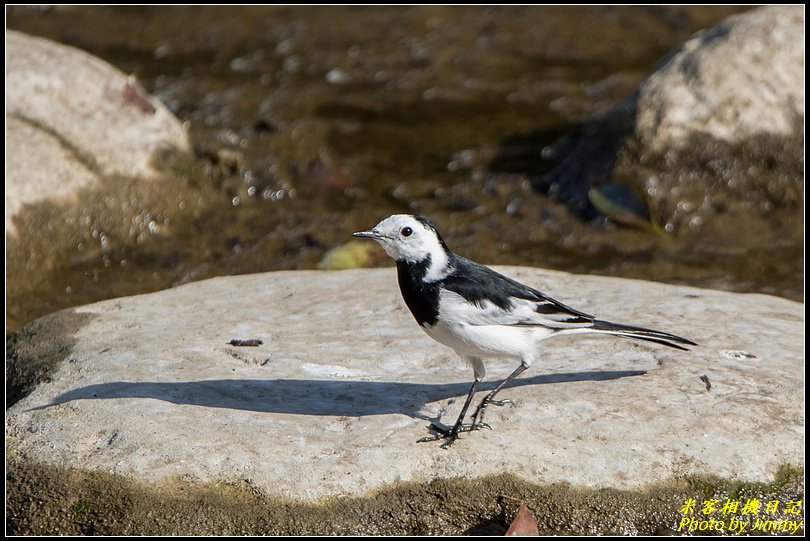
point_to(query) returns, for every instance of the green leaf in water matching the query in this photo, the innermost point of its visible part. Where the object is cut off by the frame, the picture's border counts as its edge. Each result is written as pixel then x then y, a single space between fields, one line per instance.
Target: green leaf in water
pixel 621 205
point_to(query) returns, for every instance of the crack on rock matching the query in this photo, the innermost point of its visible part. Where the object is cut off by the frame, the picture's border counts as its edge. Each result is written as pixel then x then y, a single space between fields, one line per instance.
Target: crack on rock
pixel 84 158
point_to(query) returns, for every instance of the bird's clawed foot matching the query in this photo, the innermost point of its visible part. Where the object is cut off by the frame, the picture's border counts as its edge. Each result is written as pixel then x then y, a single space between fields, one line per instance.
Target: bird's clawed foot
pixel 449 435
pixel 505 401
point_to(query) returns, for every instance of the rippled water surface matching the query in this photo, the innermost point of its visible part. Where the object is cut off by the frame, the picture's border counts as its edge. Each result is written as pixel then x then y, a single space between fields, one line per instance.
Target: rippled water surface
pixel 311 123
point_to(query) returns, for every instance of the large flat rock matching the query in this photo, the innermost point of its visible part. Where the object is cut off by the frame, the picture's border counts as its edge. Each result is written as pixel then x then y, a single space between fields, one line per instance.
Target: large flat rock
pixel 333 401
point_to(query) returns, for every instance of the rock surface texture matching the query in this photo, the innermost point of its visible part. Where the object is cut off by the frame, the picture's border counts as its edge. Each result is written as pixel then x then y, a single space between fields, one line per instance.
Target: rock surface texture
pixel 344 383
pixel 72 120
pixel 742 78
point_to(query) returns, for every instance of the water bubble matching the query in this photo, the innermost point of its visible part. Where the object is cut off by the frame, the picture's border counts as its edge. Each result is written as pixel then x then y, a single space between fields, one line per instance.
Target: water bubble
pixel 232 138
pixel 685 206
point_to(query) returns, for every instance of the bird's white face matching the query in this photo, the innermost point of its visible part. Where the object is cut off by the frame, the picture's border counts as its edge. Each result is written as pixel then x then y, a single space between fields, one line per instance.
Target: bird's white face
pixel 406 238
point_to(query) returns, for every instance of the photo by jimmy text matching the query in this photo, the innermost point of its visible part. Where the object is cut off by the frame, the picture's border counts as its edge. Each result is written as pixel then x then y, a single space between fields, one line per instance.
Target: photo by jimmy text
pixel 750 516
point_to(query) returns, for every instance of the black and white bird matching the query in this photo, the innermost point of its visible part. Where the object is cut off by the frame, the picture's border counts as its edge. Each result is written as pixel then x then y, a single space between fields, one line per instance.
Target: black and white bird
pixel 479 312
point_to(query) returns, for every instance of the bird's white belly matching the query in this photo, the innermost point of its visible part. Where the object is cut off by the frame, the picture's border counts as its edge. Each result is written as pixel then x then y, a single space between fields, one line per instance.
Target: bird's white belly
pixel 486 340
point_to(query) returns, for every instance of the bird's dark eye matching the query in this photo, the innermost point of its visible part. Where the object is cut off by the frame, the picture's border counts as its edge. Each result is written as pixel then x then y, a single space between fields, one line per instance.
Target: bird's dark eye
pixel 406 232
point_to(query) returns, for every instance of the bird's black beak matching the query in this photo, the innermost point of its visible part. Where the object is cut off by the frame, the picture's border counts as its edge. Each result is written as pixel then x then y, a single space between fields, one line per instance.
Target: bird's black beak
pixel 367 235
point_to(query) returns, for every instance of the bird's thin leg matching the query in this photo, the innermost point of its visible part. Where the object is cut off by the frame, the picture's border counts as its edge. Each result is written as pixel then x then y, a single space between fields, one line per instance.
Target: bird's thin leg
pixel 478 416
pixel 452 434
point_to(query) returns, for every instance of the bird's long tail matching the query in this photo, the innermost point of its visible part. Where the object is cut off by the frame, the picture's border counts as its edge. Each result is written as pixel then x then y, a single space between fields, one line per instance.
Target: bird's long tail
pixel 641 333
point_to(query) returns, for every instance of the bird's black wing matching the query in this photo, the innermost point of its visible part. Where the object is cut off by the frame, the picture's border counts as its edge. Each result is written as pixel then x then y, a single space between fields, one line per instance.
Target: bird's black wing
pixel 496 299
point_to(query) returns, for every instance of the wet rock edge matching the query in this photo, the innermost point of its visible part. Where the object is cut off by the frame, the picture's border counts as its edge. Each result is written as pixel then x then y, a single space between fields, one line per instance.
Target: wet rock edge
pixel 44 499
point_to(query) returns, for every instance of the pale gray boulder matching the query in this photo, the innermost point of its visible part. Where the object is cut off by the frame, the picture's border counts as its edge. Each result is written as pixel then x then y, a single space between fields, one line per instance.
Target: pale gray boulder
pixel 333 401
pixel 90 168
pixel 711 143
pixel 737 80
pixel 72 120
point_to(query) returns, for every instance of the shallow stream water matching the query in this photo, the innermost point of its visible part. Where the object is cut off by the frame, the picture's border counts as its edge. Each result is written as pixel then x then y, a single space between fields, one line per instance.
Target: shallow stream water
pixel 310 123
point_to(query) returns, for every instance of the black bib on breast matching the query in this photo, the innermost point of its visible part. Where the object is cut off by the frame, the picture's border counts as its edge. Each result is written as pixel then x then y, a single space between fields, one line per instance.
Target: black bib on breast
pixel 422 298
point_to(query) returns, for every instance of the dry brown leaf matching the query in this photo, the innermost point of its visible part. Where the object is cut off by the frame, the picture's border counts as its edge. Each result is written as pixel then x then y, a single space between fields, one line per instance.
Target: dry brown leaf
pixel 524 523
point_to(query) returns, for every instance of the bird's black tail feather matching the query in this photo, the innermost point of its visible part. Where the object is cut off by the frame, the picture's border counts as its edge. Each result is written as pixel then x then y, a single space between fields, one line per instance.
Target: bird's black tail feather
pixel 641 333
